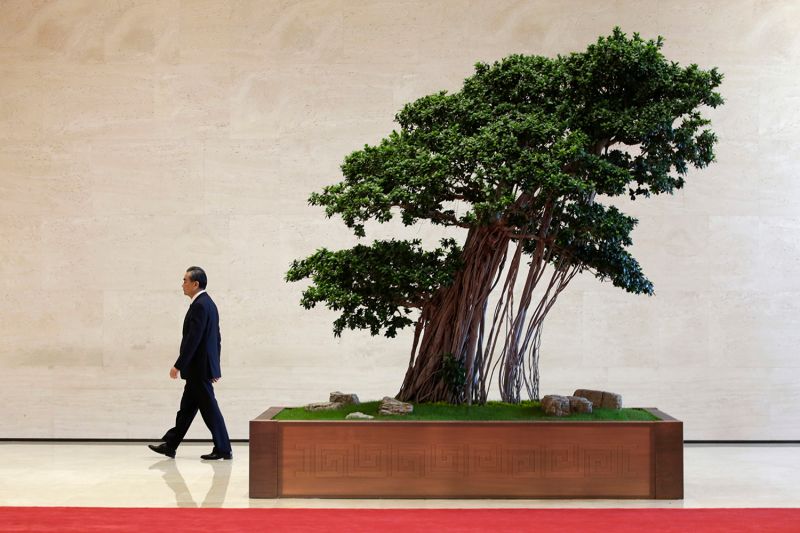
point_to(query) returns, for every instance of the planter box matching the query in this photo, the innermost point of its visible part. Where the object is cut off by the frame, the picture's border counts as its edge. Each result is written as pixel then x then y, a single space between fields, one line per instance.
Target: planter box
pixel 475 459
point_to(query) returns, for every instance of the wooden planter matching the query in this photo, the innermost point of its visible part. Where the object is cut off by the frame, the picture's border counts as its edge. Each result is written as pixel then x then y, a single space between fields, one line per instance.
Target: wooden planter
pixel 475 459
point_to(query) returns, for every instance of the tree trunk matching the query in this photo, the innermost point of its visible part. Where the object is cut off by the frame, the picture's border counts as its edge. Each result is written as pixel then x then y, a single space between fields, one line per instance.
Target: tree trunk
pixel 451 322
pixel 455 332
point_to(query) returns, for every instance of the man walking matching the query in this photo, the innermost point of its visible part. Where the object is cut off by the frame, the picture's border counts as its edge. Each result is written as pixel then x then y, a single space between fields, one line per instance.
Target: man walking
pixel 198 364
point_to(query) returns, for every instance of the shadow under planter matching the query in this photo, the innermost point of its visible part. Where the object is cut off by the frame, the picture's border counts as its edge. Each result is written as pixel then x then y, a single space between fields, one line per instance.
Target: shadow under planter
pixel 475 459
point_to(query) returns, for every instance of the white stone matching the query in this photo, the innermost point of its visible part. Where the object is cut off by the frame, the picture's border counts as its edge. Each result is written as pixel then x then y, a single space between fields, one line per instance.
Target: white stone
pixel 358 415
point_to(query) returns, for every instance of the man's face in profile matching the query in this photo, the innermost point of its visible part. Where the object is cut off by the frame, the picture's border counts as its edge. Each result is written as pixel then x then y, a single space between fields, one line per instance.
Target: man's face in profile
pixel 190 287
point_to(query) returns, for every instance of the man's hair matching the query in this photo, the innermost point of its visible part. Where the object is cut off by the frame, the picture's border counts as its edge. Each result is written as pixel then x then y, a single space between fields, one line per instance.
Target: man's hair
pixel 199 275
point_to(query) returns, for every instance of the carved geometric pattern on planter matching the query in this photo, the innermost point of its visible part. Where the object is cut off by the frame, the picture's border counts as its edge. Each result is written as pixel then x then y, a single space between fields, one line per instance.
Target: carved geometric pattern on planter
pixel 303 454
pixel 408 461
pixel 331 460
pixel 367 461
pixel 602 462
pixel 563 460
pixel 401 459
pixel 522 462
pixel 487 459
pixel 448 460
pixel 627 453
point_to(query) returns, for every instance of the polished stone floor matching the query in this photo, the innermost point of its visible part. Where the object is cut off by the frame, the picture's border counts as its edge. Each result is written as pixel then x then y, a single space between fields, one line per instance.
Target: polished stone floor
pixel 130 475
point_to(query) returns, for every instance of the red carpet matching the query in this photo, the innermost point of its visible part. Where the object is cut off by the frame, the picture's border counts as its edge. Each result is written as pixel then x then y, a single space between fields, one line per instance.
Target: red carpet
pixel 86 520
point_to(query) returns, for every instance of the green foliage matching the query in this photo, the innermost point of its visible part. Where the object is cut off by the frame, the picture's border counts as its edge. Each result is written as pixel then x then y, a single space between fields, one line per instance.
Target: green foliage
pixel 523 133
pixel 375 286
pixel 454 375
pixel 596 236
pixel 445 411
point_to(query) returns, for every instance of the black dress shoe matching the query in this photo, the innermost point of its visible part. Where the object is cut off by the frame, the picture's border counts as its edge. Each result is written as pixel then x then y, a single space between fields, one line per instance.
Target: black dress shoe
pixel 215 455
pixel 162 449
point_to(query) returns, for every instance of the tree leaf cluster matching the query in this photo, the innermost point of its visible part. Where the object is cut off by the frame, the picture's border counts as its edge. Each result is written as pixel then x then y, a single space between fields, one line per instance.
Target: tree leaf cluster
pixel 375 287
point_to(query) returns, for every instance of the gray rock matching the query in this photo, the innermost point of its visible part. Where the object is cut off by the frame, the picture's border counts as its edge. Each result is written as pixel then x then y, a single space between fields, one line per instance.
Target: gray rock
pixel 601 399
pixel 579 405
pixel 358 415
pixel 393 406
pixel 612 400
pixel 323 406
pixel 594 396
pixel 344 398
pixel 555 405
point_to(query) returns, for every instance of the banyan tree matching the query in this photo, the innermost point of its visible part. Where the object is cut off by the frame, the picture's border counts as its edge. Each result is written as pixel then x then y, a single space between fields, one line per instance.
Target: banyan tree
pixel 526 158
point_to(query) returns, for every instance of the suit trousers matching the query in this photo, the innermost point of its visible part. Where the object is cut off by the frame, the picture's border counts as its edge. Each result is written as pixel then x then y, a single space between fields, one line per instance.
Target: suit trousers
pixel 198 395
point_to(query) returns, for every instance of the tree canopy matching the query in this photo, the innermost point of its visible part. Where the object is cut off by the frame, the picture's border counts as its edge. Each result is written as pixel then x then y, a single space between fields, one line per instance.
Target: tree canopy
pixel 529 148
pixel 616 119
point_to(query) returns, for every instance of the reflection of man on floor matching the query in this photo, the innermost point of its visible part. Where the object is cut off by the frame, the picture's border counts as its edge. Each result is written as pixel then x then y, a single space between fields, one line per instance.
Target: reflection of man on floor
pixel 215 496
pixel 198 364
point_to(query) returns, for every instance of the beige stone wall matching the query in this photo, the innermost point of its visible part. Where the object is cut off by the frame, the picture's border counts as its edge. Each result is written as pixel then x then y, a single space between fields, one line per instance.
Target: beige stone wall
pixel 140 137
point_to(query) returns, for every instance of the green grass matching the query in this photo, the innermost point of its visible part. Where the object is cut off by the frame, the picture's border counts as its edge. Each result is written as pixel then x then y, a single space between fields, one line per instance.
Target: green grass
pixel 442 411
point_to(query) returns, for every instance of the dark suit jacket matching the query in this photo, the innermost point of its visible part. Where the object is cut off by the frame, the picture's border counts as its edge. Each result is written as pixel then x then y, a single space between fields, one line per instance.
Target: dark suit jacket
pixel 202 343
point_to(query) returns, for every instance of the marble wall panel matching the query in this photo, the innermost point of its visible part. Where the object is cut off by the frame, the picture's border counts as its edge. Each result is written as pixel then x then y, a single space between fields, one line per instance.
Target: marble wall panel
pixel 130 35
pixel 705 22
pixel 740 88
pixel 206 32
pixel 283 99
pixel 262 255
pixel 59 30
pixel 642 386
pixel 90 413
pixel 769 37
pixel 193 101
pixel 556 377
pixel 142 31
pixel 279 333
pixel 267 244
pixel 51 328
pixel 86 31
pixel 778 178
pixel 120 251
pixel 684 321
pixel 21 97
pixel 722 192
pixel 142 136
pixel 142 329
pixel 286 31
pixel 108 100
pixel 547 28
pixel 672 251
pixel 727 396
pixel 779 265
pixel 424 79
pixel 562 332
pixel 39 179
pixel 619 329
pixel 778 105
pixel 149 411
pixel 784 395
pixel 733 251
pixel 405 32
pixel 33 417
pixel 766 331
pixel 147 178
pixel 250 178
pixel 21 240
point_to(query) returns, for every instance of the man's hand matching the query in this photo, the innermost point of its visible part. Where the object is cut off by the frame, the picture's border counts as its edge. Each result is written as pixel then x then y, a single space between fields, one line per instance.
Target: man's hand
pixel 173 373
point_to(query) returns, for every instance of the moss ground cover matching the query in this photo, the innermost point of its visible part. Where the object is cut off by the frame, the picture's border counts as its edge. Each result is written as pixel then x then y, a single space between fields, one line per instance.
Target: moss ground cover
pixel 491 411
